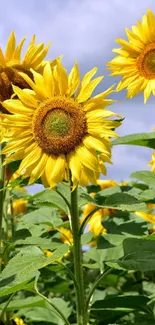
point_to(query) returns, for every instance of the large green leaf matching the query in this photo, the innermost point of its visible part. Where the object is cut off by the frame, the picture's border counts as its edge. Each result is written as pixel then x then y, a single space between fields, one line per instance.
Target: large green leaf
pixel 147 195
pixel 50 198
pixel 45 216
pixel 133 302
pixel 137 139
pixel 139 255
pixel 23 267
pixel 120 201
pixel 46 313
pixel 43 243
pixel 24 303
pixel 146 176
pixel 114 307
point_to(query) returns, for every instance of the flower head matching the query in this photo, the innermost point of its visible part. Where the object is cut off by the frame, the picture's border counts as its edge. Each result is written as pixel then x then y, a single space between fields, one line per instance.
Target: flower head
pixel 136 58
pixel 56 127
pixel 11 64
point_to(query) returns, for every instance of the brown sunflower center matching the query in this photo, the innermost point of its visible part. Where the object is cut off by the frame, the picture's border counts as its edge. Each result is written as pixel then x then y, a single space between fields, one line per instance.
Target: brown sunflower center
pixel 146 62
pixel 9 76
pixel 59 125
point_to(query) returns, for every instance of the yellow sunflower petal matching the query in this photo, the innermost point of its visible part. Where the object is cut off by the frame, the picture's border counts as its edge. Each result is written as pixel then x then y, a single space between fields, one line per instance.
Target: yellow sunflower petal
pixel 87 176
pixel 38 58
pixel 48 80
pixel 73 80
pixel 96 144
pixel 87 157
pixel 58 169
pixel 17 52
pixel 62 78
pixel 27 99
pixel 39 169
pixel 30 158
pixel 86 91
pixel 15 106
pixel 88 76
pixel 10 47
pixel 74 165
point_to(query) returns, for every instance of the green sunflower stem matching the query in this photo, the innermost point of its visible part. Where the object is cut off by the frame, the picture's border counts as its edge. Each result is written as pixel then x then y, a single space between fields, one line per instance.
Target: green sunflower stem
pixel 78 269
pixel 2 198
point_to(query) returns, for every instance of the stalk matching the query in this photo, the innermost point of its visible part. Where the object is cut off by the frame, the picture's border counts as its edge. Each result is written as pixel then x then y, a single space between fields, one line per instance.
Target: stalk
pixel 2 198
pixel 77 251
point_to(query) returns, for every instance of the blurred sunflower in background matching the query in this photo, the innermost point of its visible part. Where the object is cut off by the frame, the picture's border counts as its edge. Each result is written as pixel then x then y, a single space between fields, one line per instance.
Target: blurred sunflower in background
pixel 19 321
pixel 136 58
pixel 57 127
pixel 95 221
pixel 11 64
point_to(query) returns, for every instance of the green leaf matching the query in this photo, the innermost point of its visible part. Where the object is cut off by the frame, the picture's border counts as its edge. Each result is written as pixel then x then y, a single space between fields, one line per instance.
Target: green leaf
pixel 86 238
pixel 134 302
pixel 109 191
pixel 52 198
pixel 139 255
pixel 102 255
pixel 23 267
pixel 17 193
pixel 43 243
pixel 114 239
pixel 120 201
pixel 24 303
pixel 114 307
pixel 146 176
pixel 147 195
pixel 137 139
pixel 44 216
pixel 47 314
pixel 16 283
pixel 39 315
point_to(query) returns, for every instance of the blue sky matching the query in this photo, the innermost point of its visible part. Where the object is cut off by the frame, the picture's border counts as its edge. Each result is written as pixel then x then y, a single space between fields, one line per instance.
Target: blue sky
pixel 85 30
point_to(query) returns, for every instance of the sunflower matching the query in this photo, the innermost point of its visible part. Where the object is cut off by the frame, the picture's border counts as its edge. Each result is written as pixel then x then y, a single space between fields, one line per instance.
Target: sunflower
pixel 11 64
pixel 136 59
pixel 56 127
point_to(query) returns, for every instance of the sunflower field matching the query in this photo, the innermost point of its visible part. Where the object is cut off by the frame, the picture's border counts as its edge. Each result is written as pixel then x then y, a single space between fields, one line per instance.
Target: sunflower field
pixel 82 250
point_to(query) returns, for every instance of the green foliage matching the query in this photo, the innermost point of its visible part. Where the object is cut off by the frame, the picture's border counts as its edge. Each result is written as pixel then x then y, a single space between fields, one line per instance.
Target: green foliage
pixel 137 139
pixel 123 258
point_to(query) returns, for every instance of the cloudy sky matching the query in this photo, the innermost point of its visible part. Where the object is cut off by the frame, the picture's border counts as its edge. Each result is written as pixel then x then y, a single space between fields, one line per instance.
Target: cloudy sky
pixel 85 30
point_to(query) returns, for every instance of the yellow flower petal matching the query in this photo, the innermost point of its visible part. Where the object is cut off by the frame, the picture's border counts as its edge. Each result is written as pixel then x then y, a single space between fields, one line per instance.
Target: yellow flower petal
pixel 94 143
pixel 87 157
pixel 15 106
pixel 39 169
pixel 28 100
pixel 73 80
pixel 10 47
pixel 58 169
pixel 86 91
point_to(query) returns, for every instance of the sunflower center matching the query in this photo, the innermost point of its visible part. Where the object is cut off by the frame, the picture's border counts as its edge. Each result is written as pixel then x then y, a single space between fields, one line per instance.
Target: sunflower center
pixel 59 125
pixel 146 62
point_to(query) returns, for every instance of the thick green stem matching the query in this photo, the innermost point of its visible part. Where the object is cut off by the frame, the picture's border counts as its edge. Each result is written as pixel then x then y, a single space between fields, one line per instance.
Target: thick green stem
pixel 2 198
pixel 78 269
